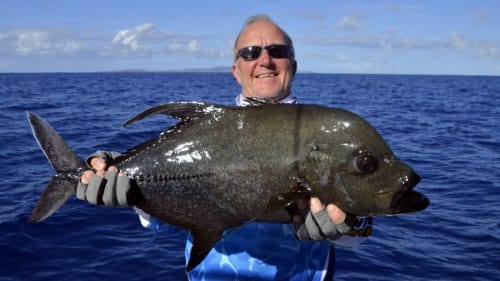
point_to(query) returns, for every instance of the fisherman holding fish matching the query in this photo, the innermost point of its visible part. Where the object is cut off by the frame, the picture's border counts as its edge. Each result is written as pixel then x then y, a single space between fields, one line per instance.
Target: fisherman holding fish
pixel 264 66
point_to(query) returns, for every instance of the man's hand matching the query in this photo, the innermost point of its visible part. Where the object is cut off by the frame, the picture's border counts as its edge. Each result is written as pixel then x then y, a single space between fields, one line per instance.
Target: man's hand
pixel 105 186
pixel 321 223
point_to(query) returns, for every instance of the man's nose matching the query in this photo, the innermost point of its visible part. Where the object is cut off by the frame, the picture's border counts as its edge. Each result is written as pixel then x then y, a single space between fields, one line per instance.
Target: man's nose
pixel 265 58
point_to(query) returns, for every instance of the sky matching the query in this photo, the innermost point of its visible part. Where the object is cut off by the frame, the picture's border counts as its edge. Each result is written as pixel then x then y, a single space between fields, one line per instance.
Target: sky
pixel 450 37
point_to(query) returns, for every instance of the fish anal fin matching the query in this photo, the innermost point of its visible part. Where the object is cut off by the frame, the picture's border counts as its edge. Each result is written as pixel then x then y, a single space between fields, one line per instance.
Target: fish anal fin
pixel 203 241
pixel 183 111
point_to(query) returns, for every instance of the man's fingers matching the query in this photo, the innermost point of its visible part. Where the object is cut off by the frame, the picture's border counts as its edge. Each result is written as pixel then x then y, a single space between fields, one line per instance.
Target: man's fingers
pixel 325 225
pixel 335 213
pixel 98 163
pixel 100 173
pixel 109 187
pixel 94 189
pixel 109 195
pixel 316 205
pixel 321 223
pixel 122 188
pixel 313 228
pixel 87 175
pixel 81 189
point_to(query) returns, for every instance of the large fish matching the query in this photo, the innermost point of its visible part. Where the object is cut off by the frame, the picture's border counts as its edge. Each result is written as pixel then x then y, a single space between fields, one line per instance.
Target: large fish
pixel 222 167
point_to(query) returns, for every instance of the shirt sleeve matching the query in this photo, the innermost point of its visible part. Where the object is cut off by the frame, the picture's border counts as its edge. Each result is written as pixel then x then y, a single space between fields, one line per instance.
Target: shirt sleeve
pixel 108 156
pixel 359 233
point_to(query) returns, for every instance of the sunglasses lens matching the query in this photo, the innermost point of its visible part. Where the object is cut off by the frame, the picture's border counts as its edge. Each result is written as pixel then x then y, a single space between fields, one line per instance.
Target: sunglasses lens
pixel 278 51
pixel 250 53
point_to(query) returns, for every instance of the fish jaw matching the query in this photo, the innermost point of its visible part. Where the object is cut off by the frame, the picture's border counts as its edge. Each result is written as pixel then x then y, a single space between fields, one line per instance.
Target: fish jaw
pixel 404 201
pixel 411 202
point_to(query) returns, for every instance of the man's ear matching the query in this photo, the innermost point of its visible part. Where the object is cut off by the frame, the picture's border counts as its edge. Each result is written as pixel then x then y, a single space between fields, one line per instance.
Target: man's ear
pixel 236 73
pixel 294 67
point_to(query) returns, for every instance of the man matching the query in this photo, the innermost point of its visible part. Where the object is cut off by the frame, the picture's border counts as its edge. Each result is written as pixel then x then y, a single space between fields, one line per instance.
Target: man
pixel 264 65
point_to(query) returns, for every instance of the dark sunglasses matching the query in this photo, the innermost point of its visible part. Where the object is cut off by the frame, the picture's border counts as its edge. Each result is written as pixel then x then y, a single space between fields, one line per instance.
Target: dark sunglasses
pixel 251 53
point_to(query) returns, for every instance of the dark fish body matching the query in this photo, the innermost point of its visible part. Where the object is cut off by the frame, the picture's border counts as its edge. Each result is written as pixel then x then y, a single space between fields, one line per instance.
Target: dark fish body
pixel 222 167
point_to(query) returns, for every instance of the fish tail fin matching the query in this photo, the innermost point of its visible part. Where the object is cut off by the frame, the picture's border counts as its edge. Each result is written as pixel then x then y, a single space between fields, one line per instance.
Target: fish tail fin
pixel 203 242
pixel 66 163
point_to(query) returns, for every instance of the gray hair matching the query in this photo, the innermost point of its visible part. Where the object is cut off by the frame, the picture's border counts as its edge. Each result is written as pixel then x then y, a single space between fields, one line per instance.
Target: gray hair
pixel 253 19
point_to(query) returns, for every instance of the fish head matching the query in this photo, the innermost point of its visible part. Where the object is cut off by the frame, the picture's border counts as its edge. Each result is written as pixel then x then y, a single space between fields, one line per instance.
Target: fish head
pixel 372 183
pixel 356 170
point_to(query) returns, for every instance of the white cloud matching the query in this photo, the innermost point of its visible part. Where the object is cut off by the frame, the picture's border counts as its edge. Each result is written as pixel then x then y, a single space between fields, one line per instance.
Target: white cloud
pixel 146 40
pixel 70 47
pixel 455 42
pixel 351 22
pixel 129 38
pixel 190 47
pixel 193 46
pixel 401 8
pixel 474 48
pixel 313 22
pixel 481 15
pixel 495 69
pixel 36 42
pixel 32 42
pixel 340 58
pixel 365 67
pixel 141 41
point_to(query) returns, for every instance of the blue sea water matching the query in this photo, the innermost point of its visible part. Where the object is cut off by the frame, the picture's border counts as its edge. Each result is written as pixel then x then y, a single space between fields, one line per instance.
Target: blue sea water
pixel 445 127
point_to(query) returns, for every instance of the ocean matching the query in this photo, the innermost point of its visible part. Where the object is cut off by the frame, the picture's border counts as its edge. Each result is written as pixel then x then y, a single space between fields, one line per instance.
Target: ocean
pixel 445 127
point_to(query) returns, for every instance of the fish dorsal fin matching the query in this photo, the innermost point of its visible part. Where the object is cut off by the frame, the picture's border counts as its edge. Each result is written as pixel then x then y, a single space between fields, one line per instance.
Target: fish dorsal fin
pixel 184 111
pixel 203 241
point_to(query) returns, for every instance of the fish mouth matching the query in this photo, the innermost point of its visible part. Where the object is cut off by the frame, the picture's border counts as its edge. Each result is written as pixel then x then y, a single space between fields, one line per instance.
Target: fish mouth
pixel 407 200
pixel 404 200
pixel 410 202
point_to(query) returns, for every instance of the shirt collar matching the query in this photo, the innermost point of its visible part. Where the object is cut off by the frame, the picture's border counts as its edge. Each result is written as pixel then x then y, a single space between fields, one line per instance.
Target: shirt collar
pixel 240 100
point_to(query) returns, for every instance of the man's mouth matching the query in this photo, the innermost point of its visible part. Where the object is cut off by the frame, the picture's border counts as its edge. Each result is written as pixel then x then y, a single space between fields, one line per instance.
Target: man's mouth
pixel 266 75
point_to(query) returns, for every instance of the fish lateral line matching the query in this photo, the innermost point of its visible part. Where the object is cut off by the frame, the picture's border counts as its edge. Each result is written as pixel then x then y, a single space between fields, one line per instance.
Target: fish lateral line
pixel 167 177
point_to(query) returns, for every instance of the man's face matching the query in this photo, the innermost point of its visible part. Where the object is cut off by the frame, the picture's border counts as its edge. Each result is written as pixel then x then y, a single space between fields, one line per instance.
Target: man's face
pixel 265 77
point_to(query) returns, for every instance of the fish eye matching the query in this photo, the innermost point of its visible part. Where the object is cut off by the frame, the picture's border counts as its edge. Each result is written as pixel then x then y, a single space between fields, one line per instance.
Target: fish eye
pixel 366 162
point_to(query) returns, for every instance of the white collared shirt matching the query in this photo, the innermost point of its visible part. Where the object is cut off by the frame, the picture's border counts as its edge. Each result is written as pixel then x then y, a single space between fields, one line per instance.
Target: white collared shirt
pixel 241 101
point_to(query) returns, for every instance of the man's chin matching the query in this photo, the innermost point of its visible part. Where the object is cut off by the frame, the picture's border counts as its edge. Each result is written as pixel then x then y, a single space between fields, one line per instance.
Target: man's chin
pixel 271 94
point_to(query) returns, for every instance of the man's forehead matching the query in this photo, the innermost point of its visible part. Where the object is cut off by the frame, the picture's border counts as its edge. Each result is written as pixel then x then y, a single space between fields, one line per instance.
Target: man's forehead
pixel 258 32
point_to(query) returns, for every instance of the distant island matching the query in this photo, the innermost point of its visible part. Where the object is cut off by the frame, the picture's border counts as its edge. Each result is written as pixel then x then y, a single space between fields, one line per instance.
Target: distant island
pixel 216 69
pixel 225 69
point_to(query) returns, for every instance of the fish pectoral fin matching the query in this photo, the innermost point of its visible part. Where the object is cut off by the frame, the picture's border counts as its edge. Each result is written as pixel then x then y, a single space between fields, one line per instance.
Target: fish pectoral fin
pixel 184 111
pixel 283 200
pixel 203 241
